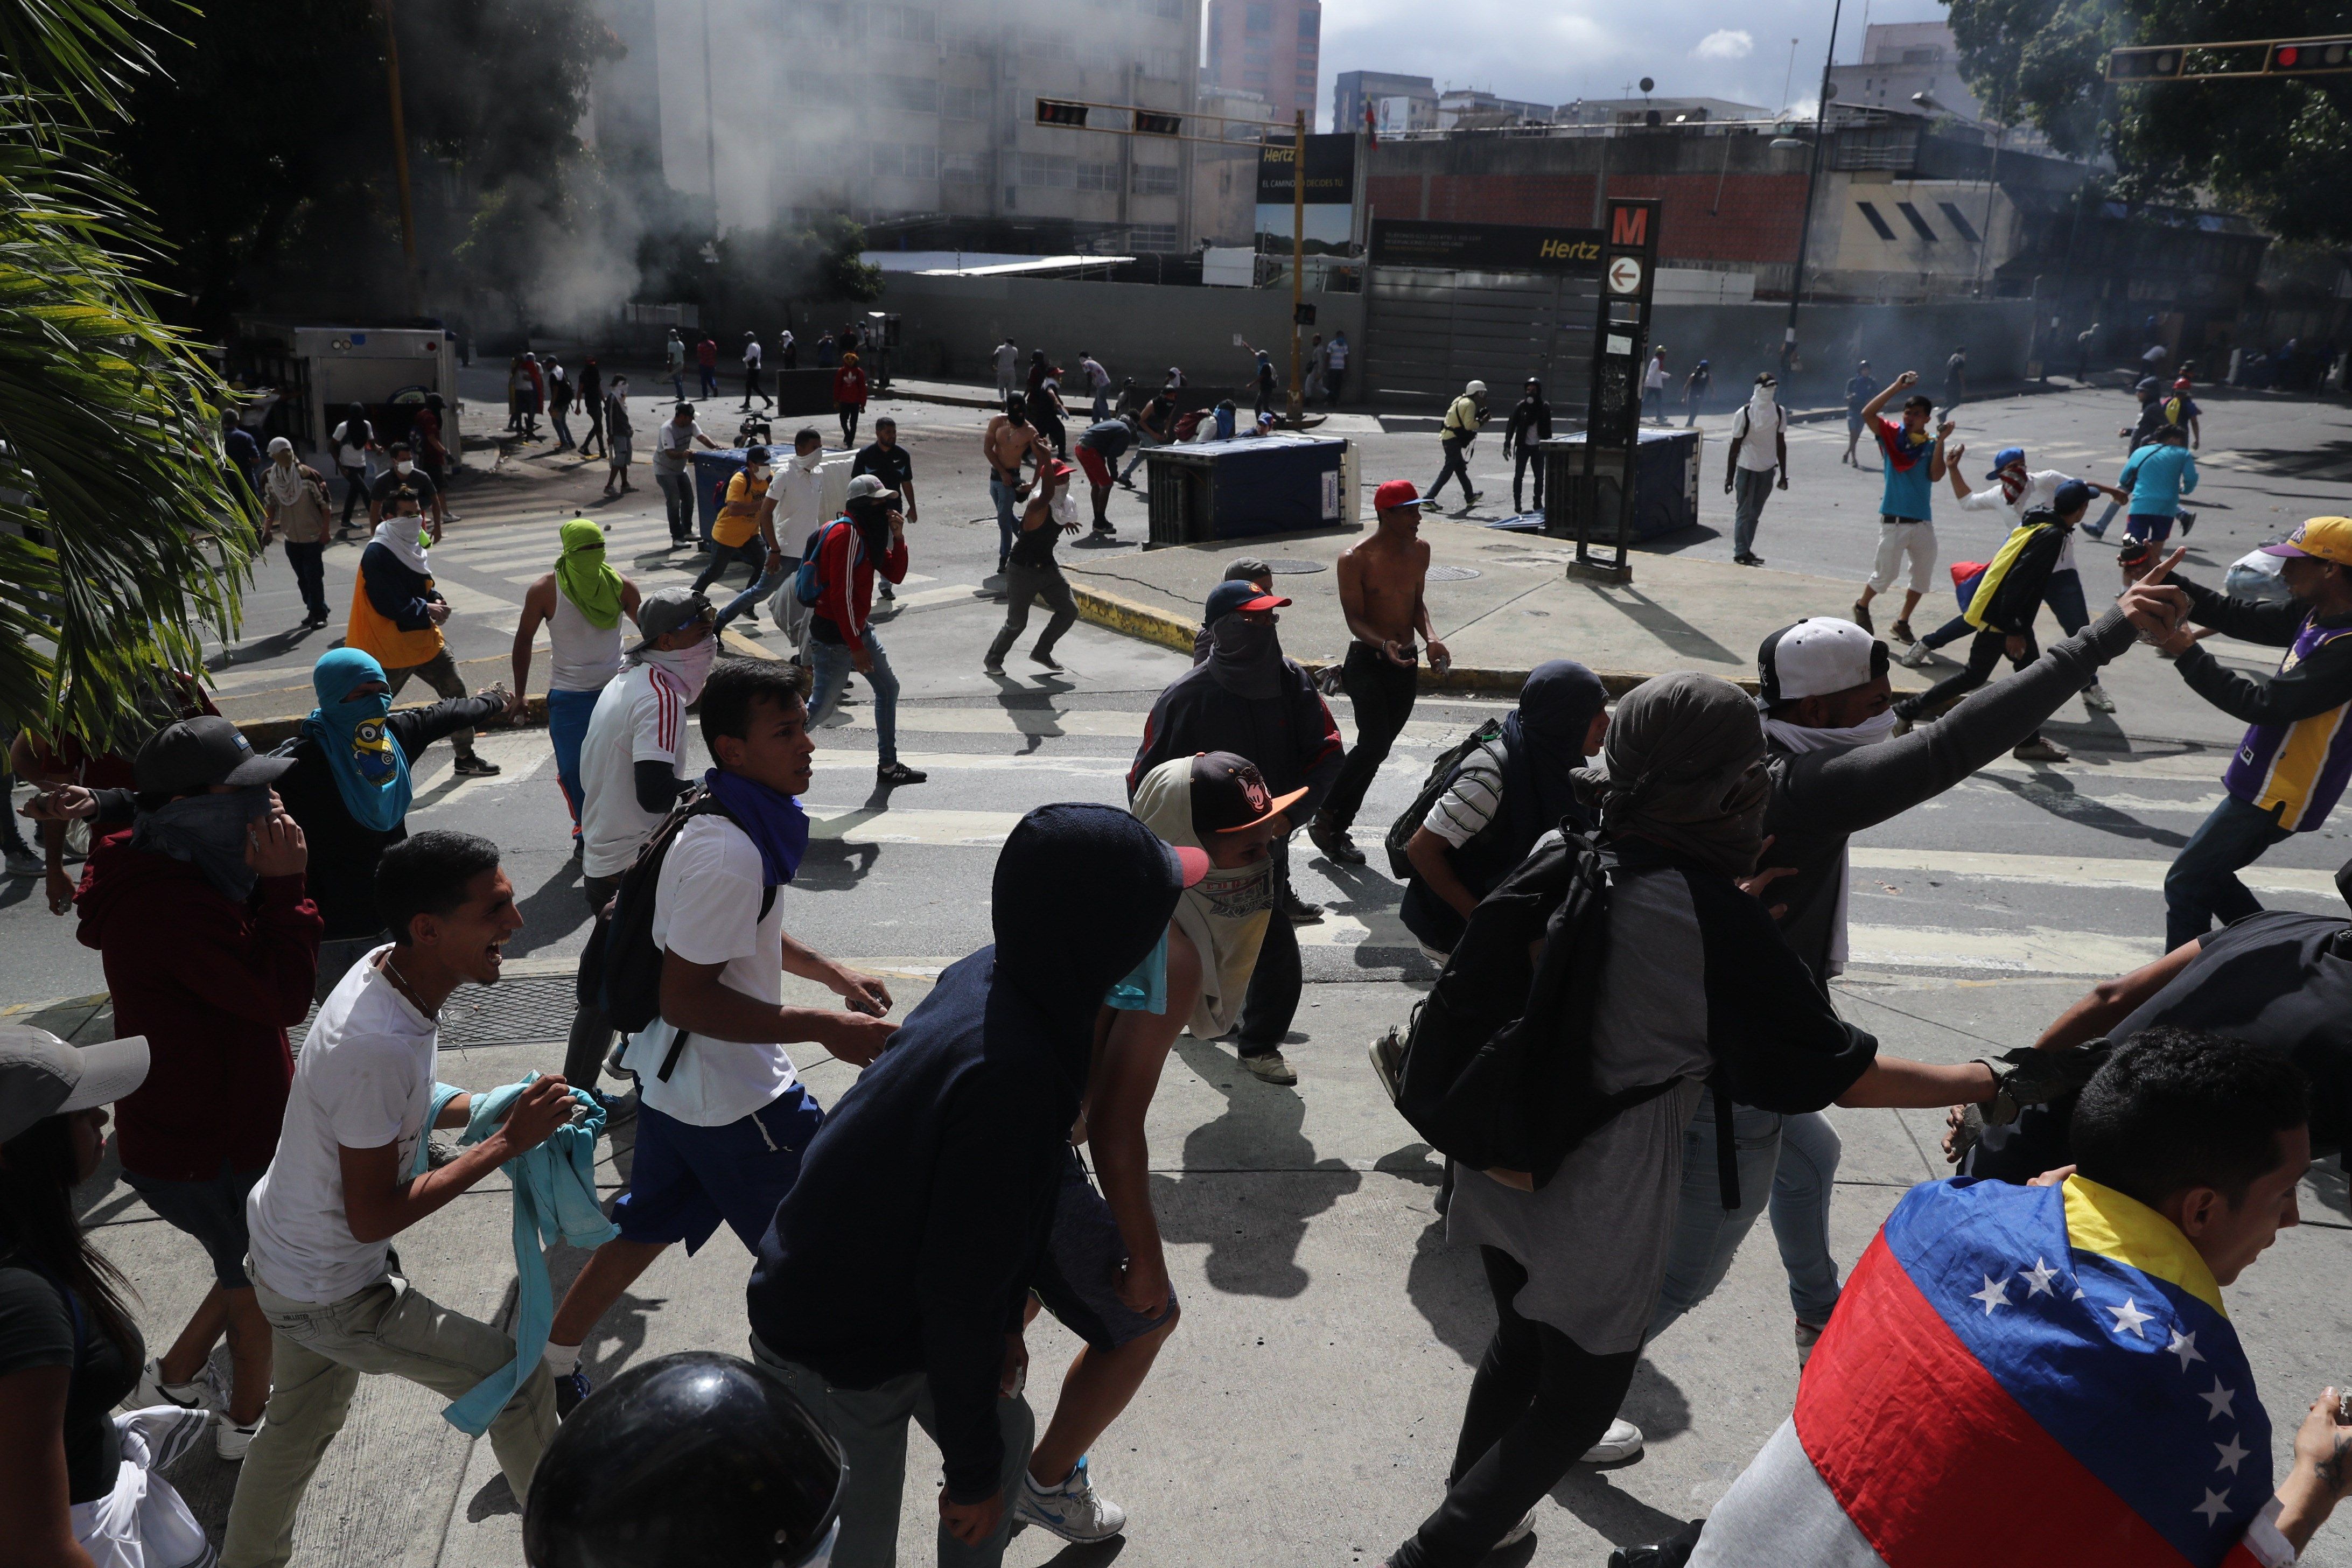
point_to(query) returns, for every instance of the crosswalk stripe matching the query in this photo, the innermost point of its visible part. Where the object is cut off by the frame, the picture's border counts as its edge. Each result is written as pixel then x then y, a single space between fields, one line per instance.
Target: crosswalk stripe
pixel 2039 950
pixel 2075 871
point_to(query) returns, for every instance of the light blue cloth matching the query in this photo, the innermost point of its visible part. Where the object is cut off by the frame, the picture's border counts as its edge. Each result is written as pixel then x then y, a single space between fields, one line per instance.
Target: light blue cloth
pixel 554 1198
pixel 2158 477
pixel 1145 988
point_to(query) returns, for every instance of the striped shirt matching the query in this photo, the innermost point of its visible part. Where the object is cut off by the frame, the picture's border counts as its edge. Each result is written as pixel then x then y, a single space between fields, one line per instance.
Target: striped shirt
pixel 1469 804
pixel 640 716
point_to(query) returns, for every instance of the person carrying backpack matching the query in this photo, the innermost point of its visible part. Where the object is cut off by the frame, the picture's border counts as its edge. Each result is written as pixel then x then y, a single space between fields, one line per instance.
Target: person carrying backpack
pixel 1496 798
pixel 1670 981
pixel 722 1117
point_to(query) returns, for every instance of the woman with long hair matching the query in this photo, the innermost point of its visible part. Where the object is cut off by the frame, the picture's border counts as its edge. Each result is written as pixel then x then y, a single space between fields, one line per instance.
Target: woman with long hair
pixel 78 1483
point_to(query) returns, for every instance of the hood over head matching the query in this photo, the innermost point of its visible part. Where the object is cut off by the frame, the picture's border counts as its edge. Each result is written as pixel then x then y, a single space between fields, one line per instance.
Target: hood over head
pixel 1685 769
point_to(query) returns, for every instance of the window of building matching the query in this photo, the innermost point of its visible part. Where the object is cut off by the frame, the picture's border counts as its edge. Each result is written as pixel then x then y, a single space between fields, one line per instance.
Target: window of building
pixel 963 169
pixel 1920 57
pixel 965 102
pixel 1165 65
pixel 1155 179
pixel 1099 177
pixel 1919 225
pixel 1258 19
pixel 1045 169
pixel 1960 226
pixel 1151 236
pixel 1310 27
pixel 1870 216
pixel 894 161
pixel 1253 79
pixel 913 94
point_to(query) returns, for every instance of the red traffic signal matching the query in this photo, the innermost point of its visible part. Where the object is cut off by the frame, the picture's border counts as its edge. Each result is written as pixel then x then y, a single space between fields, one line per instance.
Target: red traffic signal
pixel 1151 122
pixel 2311 56
pixel 1061 112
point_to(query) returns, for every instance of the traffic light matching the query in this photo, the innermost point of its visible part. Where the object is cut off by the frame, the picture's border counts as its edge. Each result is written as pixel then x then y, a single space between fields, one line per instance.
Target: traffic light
pixel 2311 56
pixel 1060 111
pixel 1153 122
pixel 2144 65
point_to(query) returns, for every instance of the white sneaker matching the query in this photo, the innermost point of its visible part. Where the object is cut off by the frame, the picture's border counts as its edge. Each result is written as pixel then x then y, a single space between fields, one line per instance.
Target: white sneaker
pixel 231 1440
pixel 1519 1532
pixel 1915 655
pixel 1073 1510
pixel 1622 1441
pixel 202 1394
pixel 2096 699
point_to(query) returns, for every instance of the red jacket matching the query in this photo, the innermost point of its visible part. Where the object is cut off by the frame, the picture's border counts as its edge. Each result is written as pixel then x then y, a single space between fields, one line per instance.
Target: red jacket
pixel 849 385
pixel 214 987
pixel 847 573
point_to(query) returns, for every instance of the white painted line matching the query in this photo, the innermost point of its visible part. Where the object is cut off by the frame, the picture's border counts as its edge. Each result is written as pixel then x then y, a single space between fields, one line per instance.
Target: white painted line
pixel 1094 722
pixel 465 601
pixel 2075 871
pixel 2037 950
pixel 945 593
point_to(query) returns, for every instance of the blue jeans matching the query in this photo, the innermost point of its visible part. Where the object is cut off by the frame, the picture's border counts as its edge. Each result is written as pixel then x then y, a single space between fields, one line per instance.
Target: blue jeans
pixel 567 726
pixel 2063 594
pixel 748 601
pixel 1789 1162
pixel 2203 885
pixel 677 498
pixel 1006 526
pixel 1752 488
pixel 560 419
pixel 833 665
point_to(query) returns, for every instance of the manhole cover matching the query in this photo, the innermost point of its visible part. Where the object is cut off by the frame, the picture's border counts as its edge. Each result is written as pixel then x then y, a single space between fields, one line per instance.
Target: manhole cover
pixel 1450 573
pixel 1294 566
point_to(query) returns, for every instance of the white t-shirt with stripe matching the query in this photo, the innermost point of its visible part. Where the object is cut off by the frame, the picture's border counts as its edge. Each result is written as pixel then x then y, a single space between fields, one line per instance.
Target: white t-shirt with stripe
pixel 640 716
pixel 1471 802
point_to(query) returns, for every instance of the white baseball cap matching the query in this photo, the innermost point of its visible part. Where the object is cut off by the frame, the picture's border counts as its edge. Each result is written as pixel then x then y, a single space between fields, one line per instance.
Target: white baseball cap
pixel 1814 658
pixel 41 1076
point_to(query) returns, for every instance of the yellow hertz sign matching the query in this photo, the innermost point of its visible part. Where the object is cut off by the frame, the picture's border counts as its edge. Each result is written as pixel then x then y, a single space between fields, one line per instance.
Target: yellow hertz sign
pixel 1569 250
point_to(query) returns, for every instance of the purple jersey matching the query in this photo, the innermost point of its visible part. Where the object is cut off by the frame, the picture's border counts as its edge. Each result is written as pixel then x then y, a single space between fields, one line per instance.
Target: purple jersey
pixel 2298 768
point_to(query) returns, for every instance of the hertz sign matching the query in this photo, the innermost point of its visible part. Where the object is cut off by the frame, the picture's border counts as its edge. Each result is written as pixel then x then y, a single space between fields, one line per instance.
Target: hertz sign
pixel 1486 246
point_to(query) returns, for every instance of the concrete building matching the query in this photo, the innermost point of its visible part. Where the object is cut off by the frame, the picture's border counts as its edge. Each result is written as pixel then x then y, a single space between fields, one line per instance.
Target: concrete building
pixel 1670 110
pixel 1271 47
pixel 778 111
pixel 1398 103
pixel 1224 178
pixel 1468 108
pixel 1899 59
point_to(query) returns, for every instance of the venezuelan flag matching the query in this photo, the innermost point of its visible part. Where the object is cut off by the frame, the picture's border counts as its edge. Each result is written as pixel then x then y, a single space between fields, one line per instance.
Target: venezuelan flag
pixel 2017 1374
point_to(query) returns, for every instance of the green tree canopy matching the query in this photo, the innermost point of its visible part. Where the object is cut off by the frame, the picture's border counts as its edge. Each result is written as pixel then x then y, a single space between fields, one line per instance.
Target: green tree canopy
pixel 122 539
pixel 2278 149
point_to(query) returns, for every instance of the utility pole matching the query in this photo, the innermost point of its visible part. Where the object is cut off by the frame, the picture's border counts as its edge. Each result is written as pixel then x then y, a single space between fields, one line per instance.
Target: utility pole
pixel 1812 179
pixel 400 159
pixel 1297 261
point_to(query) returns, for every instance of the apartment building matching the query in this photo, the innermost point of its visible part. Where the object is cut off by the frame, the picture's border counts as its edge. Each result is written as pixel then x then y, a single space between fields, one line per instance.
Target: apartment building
pixel 1269 47
pixel 780 110
pixel 1398 102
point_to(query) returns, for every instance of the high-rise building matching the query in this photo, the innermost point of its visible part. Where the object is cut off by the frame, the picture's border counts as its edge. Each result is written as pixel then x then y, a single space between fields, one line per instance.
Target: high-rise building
pixel 1398 102
pixel 1270 48
pixel 1899 59
pixel 782 110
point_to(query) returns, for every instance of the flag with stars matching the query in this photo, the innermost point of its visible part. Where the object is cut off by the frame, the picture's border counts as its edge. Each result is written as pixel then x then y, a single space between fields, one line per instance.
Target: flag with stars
pixel 2052 1361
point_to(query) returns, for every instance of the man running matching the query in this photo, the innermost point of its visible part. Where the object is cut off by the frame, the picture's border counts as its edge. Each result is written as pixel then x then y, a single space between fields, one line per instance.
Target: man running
pixel 2142 433
pixel 1454 437
pixel 1031 573
pixel 2157 476
pixel 1380 595
pixel 1913 461
pixel 1009 442
pixel 2292 766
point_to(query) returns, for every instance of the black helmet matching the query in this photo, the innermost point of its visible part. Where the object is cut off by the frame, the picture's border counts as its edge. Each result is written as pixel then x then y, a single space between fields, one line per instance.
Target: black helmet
pixel 696 1459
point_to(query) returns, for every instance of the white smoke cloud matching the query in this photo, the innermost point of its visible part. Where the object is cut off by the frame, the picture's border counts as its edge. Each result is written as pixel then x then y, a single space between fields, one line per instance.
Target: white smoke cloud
pixel 1727 43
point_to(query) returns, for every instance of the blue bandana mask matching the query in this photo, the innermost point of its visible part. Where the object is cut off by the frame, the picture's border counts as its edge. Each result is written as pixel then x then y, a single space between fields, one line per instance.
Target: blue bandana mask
pixel 1145 988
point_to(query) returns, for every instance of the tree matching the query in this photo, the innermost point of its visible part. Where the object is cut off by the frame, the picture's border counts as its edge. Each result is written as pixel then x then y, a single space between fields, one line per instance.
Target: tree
pixel 121 540
pixel 2278 149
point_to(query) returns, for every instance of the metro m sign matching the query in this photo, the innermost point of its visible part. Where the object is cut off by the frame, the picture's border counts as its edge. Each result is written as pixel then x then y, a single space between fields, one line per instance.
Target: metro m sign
pixel 1629 226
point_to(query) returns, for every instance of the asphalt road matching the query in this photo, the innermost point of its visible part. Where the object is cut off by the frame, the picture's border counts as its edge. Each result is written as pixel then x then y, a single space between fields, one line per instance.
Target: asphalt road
pixel 1305 1412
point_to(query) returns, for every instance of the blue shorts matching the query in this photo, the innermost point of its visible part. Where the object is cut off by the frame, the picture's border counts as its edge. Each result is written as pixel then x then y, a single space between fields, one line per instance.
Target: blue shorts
pixel 1077 1278
pixel 684 1179
pixel 2154 527
pixel 211 1210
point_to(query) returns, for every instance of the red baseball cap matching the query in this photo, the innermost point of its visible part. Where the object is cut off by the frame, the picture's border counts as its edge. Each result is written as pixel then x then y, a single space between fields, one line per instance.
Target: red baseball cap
pixel 1393 494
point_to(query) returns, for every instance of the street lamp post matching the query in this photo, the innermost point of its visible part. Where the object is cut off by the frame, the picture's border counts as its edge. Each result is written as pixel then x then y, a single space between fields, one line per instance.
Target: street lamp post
pixel 1812 179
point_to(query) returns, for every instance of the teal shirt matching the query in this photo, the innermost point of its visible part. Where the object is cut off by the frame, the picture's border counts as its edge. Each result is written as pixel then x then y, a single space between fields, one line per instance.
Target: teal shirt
pixel 2158 476
pixel 1908 492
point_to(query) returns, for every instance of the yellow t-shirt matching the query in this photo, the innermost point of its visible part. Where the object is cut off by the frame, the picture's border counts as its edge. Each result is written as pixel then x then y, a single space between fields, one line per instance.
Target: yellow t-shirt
pixel 739 519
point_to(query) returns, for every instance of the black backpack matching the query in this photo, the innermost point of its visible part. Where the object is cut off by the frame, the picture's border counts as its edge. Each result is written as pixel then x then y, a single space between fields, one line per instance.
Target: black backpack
pixel 1498 1072
pixel 621 968
pixel 1440 777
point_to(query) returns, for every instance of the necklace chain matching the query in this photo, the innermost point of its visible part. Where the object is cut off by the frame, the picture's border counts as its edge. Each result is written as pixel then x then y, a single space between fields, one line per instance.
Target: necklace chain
pixel 408 990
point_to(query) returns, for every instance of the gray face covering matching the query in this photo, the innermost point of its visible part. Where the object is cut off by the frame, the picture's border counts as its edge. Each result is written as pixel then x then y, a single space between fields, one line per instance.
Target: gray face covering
pixel 1245 657
pixel 208 831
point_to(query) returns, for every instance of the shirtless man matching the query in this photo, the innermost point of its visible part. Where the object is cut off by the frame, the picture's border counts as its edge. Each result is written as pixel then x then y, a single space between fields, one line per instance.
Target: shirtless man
pixel 1381 595
pixel 1010 441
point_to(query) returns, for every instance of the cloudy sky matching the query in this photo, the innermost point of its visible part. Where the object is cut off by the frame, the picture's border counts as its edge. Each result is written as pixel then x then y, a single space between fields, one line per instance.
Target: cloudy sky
pixel 1555 50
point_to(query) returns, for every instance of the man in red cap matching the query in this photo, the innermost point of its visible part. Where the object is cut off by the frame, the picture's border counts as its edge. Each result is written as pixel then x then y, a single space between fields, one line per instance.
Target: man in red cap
pixel 1380 582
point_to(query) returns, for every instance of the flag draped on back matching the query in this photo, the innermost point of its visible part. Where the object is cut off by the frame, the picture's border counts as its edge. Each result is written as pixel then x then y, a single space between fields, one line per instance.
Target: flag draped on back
pixel 2042 1364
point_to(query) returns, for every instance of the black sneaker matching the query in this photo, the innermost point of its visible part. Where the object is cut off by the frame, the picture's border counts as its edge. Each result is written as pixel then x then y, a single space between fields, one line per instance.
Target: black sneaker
pixel 473 766
pixel 1862 617
pixel 1299 910
pixel 1333 840
pixel 991 667
pixel 2188 521
pixel 1039 655
pixel 900 773
pixel 569 1390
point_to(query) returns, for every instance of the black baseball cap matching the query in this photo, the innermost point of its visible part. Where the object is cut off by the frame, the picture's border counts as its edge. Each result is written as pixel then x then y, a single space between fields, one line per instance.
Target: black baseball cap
pixel 197 754
pixel 1228 596
pixel 1229 795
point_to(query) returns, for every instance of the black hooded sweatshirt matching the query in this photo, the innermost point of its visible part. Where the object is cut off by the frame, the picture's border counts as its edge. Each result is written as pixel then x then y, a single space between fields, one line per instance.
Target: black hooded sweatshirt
pixel 912 1234
pixel 1290 735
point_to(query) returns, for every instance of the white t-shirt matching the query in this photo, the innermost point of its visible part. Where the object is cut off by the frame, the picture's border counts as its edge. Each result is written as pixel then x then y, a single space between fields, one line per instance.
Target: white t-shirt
pixel 1007 359
pixel 674 445
pixel 2040 489
pixel 751 356
pixel 799 495
pixel 1336 356
pixel 1097 377
pixel 1654 380
pixel 640 716
pixel 348 454
pixel 364 1080
pixel 1759 454
pixel 1464 809
pixel 707 911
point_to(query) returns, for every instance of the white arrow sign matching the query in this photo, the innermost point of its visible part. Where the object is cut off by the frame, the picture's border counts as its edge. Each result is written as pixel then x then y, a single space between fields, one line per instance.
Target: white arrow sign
pixel 1625 275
